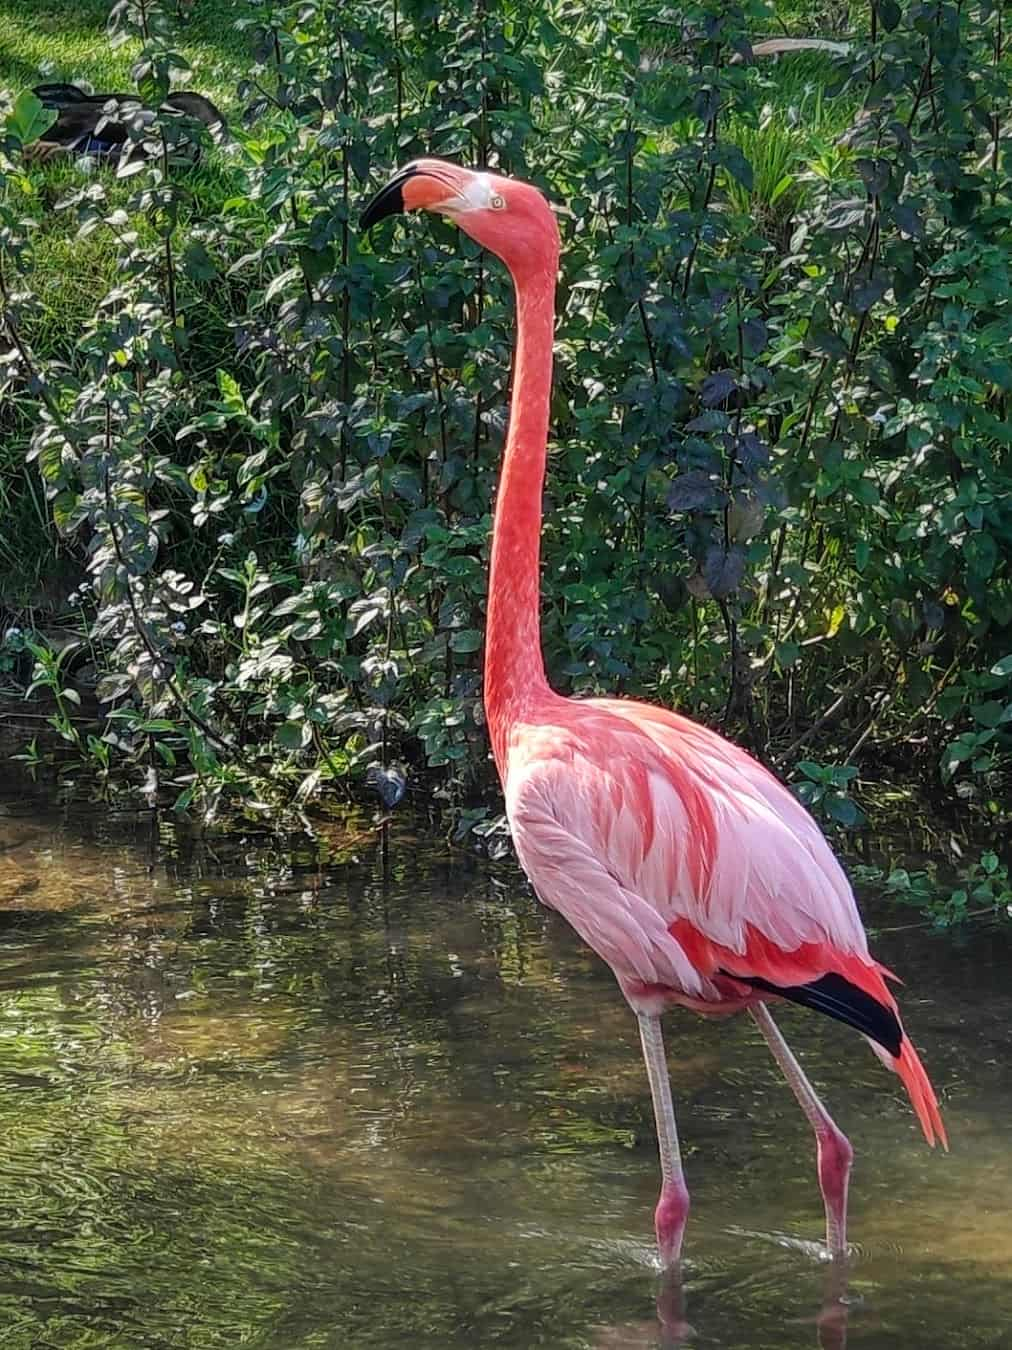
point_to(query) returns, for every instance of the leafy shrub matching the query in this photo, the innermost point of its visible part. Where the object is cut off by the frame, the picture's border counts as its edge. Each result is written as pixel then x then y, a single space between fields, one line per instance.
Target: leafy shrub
pixel 780 492
pixel 983 890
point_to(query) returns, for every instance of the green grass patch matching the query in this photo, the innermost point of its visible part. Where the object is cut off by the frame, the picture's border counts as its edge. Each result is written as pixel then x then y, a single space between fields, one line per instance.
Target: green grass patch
pixel 795 85
pixel 57 40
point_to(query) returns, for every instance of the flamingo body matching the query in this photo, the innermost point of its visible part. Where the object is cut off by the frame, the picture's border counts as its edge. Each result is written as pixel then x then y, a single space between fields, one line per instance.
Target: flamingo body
pixel 695 874
pixel 693 871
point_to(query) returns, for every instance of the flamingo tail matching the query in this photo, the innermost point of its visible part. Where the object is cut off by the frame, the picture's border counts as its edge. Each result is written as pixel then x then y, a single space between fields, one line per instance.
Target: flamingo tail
pixel 861 999
pixel 852 990
pixel 908 1067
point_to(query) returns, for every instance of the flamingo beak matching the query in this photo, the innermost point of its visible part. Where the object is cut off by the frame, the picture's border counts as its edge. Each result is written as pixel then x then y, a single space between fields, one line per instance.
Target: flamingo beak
pixel 425 184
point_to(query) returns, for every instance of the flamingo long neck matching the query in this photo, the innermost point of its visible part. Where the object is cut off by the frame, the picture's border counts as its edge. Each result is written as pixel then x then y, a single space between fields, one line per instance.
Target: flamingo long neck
pixel 514 666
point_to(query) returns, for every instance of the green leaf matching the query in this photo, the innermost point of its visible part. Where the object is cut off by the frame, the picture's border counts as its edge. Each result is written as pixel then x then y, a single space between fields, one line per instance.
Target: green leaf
pixel 294 735
pixel 987 714
pixel 283 279
pixel 468 640
pixel 842 810
pixel 197 262
pixel 818 773
pixel 112 687
pixel 364 613
pixel 981 553
pixel 781 187
pixel 66 510
pixel 908 219
pixel 736 164
pixel 29 120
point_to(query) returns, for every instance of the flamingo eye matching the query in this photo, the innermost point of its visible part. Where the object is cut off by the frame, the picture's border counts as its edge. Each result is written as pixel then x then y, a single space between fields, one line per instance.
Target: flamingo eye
pixel 496 202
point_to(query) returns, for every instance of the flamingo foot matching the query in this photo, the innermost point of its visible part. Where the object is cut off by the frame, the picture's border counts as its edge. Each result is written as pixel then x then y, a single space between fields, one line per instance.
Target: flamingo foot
pixel 835 1156
pixel 670 1218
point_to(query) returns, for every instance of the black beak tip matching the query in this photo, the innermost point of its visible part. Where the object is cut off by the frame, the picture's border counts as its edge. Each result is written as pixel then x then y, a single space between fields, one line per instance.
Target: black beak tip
pixel 389 201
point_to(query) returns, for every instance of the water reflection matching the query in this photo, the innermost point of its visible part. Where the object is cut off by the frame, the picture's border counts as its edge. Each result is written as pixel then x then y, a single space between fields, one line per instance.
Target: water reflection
pixel 671 1328
pixel 261 1091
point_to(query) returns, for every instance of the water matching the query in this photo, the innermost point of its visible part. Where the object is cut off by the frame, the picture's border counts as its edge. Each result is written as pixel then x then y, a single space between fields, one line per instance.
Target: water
pixel 290 1096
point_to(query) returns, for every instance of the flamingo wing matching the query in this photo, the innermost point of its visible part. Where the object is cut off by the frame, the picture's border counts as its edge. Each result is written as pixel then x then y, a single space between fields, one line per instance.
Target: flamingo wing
pixel 689 868
pixel 687 822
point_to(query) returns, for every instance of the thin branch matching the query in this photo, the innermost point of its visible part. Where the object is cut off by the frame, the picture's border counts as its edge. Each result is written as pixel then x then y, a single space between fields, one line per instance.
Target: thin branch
pixel 141 630
pixel 848 693
pixel 875 718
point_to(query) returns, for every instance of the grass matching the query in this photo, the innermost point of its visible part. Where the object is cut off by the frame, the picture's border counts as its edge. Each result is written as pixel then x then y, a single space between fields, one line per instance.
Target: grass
pixel 798 126
pixel 67 40
pixel 818 18
pixel 70 272
pixel 60 40
pixel 794 84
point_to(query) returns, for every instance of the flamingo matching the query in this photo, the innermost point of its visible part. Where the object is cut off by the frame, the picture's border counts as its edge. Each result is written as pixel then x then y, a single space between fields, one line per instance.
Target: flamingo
pixel 677 857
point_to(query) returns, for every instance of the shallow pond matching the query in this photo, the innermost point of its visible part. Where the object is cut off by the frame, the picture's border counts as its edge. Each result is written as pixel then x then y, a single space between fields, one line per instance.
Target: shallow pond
pixel 311 1096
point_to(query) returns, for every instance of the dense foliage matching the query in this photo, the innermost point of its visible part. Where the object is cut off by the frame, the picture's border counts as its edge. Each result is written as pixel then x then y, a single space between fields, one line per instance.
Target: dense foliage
pixel 780 488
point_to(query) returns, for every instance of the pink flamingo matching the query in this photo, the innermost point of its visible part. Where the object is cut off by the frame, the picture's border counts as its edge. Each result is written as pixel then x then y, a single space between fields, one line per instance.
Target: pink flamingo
pixel 678 858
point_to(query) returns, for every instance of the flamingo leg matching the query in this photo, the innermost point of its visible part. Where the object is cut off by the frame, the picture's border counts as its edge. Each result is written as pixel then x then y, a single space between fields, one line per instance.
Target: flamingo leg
pixel 835 1154
pixel 673 1206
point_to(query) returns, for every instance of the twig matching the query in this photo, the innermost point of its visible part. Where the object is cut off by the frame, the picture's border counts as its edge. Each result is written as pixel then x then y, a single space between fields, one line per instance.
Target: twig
pixel 142 632
pixel 877 714
pixel 828 715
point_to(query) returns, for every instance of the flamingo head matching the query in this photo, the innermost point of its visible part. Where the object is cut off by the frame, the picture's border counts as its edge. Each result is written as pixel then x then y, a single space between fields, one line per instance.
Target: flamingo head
pixel 508 217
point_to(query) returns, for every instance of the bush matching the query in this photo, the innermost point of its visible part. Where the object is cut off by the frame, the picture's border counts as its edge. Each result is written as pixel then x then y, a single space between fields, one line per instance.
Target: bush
pixel 779 494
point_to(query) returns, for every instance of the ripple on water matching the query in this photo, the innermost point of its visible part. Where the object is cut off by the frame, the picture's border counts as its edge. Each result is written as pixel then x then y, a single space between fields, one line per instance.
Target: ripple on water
pixel 258 1096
